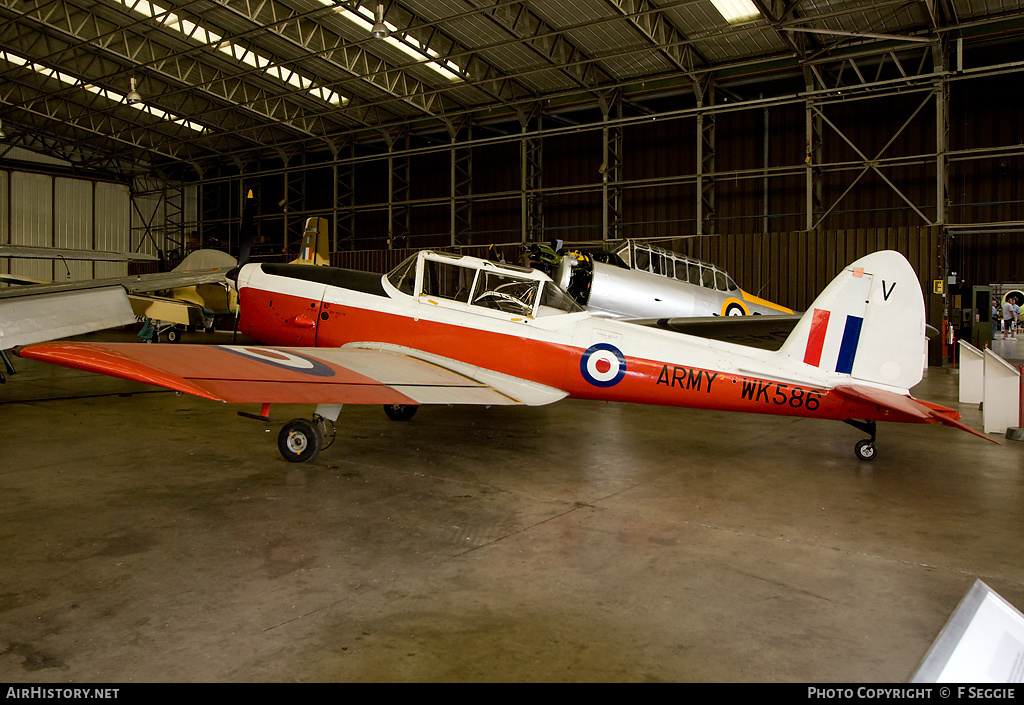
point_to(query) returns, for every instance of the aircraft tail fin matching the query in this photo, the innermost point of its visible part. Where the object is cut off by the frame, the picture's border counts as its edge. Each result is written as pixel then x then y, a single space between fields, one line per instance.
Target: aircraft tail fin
pixel 868 324
pixel 315 243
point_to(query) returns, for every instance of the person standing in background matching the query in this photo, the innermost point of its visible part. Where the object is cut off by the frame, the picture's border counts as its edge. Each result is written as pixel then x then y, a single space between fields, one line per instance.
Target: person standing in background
pixel 1008 319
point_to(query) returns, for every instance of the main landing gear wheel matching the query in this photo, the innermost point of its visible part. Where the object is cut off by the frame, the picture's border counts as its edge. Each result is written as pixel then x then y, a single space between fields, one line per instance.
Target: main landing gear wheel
pixel 300 440
pixel 400 412
pixel 173 335
pixel 865 450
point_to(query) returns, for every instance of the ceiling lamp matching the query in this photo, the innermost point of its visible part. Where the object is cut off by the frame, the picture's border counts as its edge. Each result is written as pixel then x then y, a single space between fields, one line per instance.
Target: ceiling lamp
pixel 736 11
pixel 133 95
pixel 380 30
pixel 3 135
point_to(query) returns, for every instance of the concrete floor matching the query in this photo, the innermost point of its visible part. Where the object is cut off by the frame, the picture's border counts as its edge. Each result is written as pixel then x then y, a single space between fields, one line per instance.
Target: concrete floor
pixel 162 538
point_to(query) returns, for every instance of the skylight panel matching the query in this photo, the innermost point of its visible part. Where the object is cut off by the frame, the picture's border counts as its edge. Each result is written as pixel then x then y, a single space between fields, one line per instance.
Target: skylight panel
pixel 443 67
pixel 736 11
pixel 112 96
pixel 238 52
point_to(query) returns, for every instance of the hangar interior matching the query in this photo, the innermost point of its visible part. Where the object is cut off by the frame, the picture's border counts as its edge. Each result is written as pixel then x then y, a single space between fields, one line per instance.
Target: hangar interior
pixel 161 538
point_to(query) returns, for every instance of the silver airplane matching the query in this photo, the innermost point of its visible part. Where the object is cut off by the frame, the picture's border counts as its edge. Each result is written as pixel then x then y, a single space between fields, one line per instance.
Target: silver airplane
pixel 641 281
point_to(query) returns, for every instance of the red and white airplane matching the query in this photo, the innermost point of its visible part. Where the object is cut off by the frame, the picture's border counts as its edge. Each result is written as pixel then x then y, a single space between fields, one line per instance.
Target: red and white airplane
pixel 446 329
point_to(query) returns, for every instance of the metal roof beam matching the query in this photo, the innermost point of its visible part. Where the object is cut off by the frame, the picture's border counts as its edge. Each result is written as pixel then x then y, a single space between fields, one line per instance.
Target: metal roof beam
pixel 544 40
pixel 73 34
pixel 653 24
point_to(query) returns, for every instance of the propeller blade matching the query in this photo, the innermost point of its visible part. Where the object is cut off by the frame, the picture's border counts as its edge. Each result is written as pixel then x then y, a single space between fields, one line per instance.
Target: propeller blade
pixel 245 234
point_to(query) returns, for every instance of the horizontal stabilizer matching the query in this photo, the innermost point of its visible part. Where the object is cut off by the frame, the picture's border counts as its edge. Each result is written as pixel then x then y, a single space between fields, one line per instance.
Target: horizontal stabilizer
pixel 907 409
pixel 764 332
pixel 159 308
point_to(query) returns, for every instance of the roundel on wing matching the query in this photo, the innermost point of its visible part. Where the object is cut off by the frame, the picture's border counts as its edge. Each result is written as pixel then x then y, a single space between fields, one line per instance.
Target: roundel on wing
pixel 603 365
pixel 283 359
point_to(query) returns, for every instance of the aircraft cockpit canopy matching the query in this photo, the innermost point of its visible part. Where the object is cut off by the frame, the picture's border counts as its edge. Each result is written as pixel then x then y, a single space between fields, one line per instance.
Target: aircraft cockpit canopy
pixel 480 283
pixel 672 265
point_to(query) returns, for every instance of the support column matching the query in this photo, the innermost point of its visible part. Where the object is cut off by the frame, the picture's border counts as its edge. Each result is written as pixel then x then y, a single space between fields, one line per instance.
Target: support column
pixel 295 185
pixel 530 182
pixel 611 169
pixel 941 92
pixel 343 210
pixel 398 193
pixel 461 186
pixel 706 220
pixel 812 165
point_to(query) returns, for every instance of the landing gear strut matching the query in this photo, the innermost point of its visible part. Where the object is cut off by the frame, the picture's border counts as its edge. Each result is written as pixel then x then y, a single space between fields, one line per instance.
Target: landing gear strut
pixel 7 364
pixel 865 449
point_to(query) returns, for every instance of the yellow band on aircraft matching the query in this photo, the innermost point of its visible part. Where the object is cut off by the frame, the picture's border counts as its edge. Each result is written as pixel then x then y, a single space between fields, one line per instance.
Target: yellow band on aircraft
pixel 750 298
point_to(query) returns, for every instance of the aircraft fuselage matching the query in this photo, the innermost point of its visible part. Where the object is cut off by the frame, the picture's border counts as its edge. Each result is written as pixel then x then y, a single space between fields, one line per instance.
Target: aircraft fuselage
pixel 587 357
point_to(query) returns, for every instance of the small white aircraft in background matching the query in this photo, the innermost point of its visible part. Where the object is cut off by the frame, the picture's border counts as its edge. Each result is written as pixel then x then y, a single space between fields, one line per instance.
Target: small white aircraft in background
pixel 640 281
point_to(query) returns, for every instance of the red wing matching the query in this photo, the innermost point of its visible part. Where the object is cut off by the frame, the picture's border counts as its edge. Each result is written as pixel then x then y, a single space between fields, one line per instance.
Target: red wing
pixel 255 374
pixel 909 409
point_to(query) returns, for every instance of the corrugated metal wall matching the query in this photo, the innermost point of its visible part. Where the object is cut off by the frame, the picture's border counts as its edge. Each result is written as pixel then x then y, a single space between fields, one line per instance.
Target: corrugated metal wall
pixel 32 221
pixel 983 258
pixel 113 227
pixel 61 212
pixel 72 225
pixel 385 260
pixel 793 268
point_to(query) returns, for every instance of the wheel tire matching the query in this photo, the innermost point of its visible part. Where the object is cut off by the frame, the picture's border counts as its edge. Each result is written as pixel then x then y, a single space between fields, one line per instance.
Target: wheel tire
pixel 400 412
pixel 299 441
pixel 173 335
pixel 865 450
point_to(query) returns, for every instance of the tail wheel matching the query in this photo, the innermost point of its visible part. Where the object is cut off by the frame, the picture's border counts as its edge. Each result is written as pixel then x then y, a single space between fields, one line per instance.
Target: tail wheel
pixel 300 441
pixel 865 450
pixel 400 412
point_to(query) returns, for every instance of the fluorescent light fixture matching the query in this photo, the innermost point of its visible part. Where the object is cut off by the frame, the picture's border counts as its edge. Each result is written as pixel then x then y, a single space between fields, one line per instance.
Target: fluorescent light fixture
pixel 403 42
pixel 112 96
pixel 242 54
pixel 736 11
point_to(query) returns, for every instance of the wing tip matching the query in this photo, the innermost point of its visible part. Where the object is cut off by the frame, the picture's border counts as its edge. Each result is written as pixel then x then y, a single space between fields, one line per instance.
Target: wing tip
pixel 93 357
